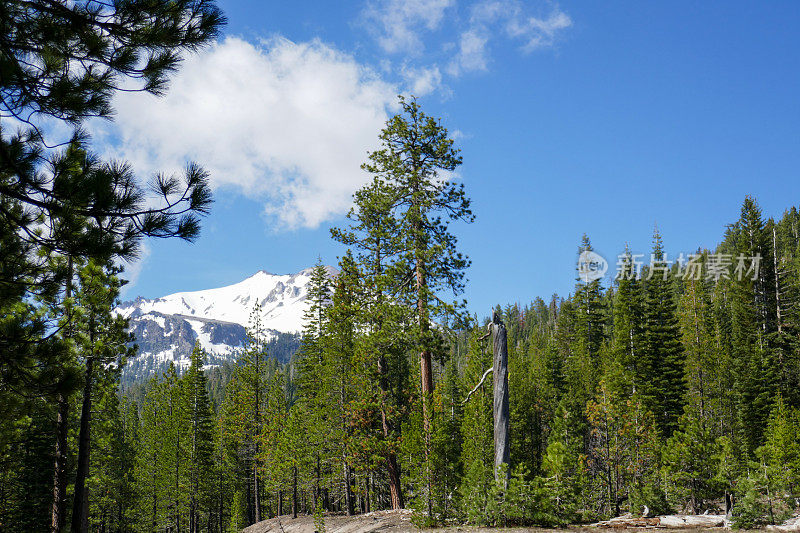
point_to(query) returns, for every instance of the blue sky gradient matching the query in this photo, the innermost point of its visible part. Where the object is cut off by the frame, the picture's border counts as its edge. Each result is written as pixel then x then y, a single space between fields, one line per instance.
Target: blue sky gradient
pixel 635 114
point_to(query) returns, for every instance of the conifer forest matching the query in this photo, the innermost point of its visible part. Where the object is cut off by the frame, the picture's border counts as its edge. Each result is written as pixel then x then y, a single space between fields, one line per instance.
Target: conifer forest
pixel 668 386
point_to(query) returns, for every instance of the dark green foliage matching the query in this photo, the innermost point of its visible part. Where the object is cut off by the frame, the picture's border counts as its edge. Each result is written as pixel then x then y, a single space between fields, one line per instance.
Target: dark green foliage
pixel 661 382
pixel 655 393
pixel 63 211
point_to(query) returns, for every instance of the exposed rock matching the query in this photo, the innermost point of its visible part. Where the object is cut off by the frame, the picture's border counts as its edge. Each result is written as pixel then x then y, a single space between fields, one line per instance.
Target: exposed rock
pixel 793 524
pixel 389 521
pixel 664 522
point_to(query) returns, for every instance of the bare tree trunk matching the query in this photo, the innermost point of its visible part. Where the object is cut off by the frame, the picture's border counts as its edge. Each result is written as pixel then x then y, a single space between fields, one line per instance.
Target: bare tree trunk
pixel 348 492
pixel 256 491
pixel 58 516
pixel 294 492
pixel 501 416
pixel 80 511
pixel 777 282
pixel 60 467
pixel 426 373
pixel 366 493
pixel 392 467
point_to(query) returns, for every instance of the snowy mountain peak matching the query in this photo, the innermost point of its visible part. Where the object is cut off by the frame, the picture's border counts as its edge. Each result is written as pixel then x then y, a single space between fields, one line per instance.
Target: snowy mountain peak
pixel 281 297
pixel 166 328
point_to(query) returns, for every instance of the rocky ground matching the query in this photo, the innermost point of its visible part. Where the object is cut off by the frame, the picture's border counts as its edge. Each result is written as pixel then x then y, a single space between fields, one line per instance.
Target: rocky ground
pixel 400 522
pixel 384 521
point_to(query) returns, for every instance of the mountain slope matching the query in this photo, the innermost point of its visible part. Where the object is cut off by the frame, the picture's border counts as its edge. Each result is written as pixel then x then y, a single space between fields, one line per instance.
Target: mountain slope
pixel 167 328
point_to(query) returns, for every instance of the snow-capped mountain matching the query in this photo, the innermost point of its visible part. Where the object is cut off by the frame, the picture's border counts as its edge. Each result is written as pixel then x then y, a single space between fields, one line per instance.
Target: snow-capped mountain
pixel 167 328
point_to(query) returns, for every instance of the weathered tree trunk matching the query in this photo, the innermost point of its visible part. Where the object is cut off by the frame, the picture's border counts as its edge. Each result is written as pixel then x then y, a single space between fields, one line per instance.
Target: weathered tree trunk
pixel 501 417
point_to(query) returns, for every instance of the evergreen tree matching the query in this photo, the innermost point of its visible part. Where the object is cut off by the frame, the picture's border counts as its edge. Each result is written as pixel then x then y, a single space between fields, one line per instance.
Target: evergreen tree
pixel 781 452
pixel 101 339
pixel 415 152
pixel 200 437
pixel 689 461
pixel 341 335
pixel 751 323
pixel 628 344
pixel 476 429
pixel 663 386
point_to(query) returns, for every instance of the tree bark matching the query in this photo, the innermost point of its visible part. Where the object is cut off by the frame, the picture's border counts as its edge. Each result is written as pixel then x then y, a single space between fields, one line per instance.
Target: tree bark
pixel 426 373
pixel 294 492
pixel 80 514
pixel 392 467
pixel 367 483
pixel 501 416
pixel 58 516
pixel 348 492
pixel 60 467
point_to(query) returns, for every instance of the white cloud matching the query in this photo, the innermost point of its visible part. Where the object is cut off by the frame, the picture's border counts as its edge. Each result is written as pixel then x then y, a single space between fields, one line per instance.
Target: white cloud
pixel 538 32
pixel 283 121
pixel 397 24
pixel 472 53
pixel 492 17
pixel 423 80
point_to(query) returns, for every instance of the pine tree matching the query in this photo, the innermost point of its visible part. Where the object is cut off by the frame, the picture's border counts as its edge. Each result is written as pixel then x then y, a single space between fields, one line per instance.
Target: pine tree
pixel 628 343
pixel 707 367
pixel 200 437
pixel 663 359
pixel 590 313
pixel 583 332
pixel 416 151
pixel 63 63
pixel 247 409
pixel 340 344
pixel 375 236
pixel 313 372
pixel 751 323
pixel 781 451
pixel 689 461
pixel 476 429
pixel 101 339
pixel 314 317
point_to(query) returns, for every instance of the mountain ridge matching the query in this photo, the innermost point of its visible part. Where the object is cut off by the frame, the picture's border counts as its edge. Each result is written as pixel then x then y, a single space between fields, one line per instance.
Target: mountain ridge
pixel 166 328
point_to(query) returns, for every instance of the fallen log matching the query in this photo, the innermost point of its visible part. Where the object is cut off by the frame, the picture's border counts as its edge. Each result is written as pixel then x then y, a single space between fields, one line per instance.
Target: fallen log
pixel 691 521
pixel 663 522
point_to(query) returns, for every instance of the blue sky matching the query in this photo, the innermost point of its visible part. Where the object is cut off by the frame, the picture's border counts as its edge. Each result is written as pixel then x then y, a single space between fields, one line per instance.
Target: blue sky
pixel 604 118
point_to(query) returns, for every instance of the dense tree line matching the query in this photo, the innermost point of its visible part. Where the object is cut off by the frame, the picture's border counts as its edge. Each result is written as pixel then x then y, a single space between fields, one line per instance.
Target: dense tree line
pixel 674 387
pixel 67 220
